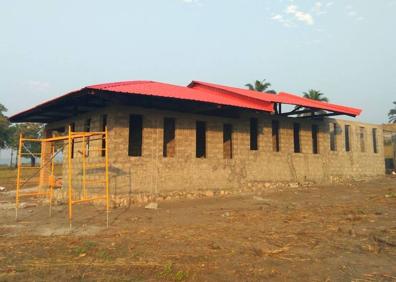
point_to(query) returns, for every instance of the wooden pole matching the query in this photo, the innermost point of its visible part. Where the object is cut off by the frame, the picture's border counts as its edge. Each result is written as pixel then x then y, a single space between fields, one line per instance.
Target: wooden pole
pixel 69 170
pixel 107 176
pixel 18 182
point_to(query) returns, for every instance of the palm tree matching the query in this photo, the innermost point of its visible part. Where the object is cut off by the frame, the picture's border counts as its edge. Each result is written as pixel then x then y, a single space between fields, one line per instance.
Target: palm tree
pixel 260 86
pixel 392 114
pixel 315 95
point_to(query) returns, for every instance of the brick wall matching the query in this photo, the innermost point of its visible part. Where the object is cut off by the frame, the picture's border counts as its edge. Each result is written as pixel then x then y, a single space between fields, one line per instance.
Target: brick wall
pixel 390 146
pixel 152 173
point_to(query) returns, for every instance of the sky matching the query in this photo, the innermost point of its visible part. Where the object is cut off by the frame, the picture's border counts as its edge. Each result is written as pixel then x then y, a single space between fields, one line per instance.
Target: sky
pixel 346 49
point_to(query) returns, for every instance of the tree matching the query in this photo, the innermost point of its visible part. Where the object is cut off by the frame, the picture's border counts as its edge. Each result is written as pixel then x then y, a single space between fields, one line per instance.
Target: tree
pixel 260 86
pixel 4 128
pixel 13 143
pixel 392 114
pixel 315 95
pixel 28 130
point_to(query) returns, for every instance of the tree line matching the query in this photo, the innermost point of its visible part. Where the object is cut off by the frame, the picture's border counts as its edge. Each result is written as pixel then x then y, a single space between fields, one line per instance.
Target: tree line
pixel 264 86
pixel 9 136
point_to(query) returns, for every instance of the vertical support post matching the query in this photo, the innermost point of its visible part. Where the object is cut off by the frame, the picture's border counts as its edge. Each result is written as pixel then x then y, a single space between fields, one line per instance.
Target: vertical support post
pixel 156 157
pixel 18 182
pixel 52 182
pixel 83 168
pixel 107 175
pixel 43 156
pixel 69 170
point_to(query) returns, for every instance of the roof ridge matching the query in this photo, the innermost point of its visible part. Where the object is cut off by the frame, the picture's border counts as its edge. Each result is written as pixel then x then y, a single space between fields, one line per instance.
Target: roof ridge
pixel 119 83
pixel 231 89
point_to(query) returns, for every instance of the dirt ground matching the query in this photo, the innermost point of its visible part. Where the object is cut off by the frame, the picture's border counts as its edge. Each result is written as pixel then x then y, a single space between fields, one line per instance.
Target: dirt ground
pixel 321 233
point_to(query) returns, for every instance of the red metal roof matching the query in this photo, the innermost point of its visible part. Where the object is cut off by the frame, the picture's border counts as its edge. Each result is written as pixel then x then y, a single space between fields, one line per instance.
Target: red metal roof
pixel 282 97
pixel 200 92
pixel 304 102
pixel 153 88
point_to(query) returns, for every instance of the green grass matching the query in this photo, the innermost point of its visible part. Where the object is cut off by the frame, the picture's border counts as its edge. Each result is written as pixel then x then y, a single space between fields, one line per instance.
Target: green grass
pixel 6 171
pixel 86 247
pixel 169 273
pixel 8 176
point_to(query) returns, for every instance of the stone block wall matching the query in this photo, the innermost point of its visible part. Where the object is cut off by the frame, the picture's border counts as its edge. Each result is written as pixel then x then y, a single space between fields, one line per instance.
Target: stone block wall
pixel 154 174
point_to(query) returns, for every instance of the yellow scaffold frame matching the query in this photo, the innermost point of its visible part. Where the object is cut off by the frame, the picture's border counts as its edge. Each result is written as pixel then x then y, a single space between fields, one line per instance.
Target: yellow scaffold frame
pixel 48 164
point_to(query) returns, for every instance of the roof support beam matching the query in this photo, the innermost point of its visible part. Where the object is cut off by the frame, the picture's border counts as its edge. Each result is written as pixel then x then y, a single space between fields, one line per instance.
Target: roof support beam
pixel 276 108
pixel 54 114
pixel 206 109
pixel 326 115
pixel 297 112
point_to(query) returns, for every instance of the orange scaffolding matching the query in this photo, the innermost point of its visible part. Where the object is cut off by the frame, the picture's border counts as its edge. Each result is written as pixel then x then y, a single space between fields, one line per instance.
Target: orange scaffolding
pixel 87 162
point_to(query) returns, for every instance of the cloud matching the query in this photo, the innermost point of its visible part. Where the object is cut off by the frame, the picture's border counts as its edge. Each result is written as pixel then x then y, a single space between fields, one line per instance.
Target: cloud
pixel 300 15
pixel 37 86
pixel 317 7
pixel 282 20
pixel 321 8
pixel 277 18
pixel 292 14
pixel 351 12
pixel 192 1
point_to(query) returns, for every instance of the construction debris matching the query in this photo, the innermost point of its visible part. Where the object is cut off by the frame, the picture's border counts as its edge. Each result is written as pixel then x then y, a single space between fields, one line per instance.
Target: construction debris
pixel 152 206
pixel 27 205
pixel 263 200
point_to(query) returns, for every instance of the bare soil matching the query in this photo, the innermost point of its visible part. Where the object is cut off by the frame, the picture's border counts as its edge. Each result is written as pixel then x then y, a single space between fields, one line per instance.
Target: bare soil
pixel 343 232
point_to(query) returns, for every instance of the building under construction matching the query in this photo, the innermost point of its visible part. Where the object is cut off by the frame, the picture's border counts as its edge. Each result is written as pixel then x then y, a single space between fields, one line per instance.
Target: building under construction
pixel 159 139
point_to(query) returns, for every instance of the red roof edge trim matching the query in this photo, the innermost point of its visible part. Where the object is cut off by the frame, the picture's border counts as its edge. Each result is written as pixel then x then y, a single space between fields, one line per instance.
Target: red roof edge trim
pixel 120 83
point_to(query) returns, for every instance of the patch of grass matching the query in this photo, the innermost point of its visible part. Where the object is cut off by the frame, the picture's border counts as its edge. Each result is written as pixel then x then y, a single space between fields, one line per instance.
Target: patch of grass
pixel 104 255
pixel 20 269
pixel 7 177
pixel 85 248
pixel 168 272
pixel 136 255
pixel 181 275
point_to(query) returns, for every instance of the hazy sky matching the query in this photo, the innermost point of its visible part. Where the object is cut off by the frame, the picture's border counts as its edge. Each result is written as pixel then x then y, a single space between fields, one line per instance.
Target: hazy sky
pixel 346 49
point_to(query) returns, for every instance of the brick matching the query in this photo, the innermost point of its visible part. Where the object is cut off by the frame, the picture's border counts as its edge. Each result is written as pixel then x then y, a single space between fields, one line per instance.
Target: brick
pixel 153 174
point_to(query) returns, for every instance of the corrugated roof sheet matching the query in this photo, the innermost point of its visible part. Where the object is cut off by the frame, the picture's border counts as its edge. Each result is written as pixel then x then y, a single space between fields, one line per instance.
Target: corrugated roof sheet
pixel 153 88
pixel 282 97
pixel 201 92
